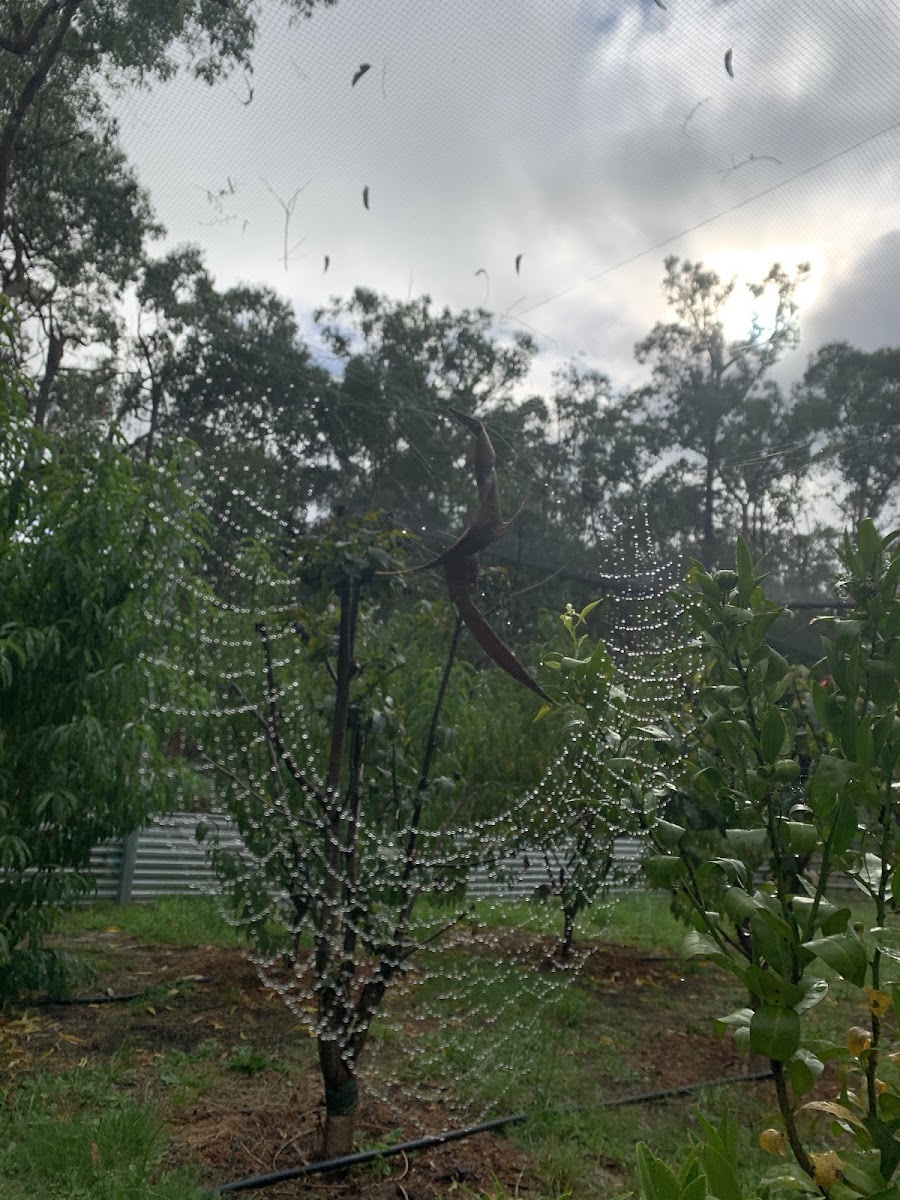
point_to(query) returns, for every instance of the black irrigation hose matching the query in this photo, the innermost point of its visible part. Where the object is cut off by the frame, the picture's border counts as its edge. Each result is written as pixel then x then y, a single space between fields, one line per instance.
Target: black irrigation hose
pixel 664 1093
pixel 352 1160
pixel 49 1001
pixel 103 998
pixel 456 1135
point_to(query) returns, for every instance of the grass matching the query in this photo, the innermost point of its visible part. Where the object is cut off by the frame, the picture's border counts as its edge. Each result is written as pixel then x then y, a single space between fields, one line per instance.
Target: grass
pixel 169 921
pixel 635 918
pixel 71 1138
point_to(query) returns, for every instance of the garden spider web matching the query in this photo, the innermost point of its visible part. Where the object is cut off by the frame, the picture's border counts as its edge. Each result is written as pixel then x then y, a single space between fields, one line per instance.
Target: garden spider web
pixel 479 958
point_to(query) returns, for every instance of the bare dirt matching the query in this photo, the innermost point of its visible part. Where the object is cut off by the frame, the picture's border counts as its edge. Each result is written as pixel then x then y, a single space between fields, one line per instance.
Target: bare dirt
pixel 268 1118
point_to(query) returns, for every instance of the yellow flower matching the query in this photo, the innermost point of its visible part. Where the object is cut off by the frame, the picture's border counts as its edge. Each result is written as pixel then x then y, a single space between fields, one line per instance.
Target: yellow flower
pixel 827 1168
pixel 858 1040
pixel 773 1141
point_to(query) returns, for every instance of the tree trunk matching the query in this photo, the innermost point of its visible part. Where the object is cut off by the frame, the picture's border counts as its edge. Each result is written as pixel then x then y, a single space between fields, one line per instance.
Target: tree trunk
pixel 708 551
pixel 341 1102
pixel 55 349
pixel 570 913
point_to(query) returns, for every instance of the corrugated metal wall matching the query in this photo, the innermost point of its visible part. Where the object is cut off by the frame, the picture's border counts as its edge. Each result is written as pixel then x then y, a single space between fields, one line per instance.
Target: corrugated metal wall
pixel 520 877
pixel 165 859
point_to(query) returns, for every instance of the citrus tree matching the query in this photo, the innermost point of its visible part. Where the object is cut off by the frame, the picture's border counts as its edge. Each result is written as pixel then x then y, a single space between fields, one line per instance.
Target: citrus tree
pixel 781 937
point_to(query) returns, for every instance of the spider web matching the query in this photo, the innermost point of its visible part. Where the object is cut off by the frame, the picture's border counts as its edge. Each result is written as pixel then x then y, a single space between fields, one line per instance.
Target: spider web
pixel 487 954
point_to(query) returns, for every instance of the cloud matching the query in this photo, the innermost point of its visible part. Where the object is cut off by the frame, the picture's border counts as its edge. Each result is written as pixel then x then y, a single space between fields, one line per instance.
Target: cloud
pixel 860 306
pixel 555 130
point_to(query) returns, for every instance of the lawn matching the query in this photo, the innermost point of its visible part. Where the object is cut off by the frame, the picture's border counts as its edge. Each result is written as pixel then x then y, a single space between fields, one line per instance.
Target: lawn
pixel 206 1076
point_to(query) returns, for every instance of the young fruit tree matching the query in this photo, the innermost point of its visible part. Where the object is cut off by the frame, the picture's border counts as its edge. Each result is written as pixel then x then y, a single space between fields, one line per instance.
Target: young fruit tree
pixel 784 937
pixel 92 548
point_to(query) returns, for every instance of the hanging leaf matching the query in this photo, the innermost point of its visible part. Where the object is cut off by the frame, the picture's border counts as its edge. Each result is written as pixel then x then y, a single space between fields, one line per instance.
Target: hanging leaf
pixel 772 735
pixel 844 953
pixel 775 1032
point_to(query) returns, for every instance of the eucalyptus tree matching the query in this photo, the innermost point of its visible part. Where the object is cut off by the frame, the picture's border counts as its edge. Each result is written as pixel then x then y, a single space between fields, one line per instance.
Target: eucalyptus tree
pixel 73 220
pixel 849 400
pixel 702 384
pixel 401 363
pixel 598 452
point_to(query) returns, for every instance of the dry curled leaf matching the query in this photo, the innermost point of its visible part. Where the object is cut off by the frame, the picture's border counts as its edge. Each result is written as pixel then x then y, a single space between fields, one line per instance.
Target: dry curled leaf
pixel 858 1040
pixel 827 1168
pixel 833 1109
pixel 879 1002
pixel 486 526
pixel 363 67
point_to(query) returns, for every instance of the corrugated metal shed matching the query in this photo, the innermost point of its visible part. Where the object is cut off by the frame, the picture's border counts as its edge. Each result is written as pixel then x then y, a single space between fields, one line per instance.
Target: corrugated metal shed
pixel 520 877
pixel 165 859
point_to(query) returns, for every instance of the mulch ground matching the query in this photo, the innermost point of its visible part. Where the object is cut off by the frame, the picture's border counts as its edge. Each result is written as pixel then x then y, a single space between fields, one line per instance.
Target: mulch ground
pixel 258 1123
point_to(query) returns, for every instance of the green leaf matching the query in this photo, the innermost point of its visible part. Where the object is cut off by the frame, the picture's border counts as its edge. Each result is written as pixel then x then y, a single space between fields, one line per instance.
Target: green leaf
pixel 846 634
pixel 775 1032
pixel 747 841
pixel 773 942
pixel 844 953
pixel 668 833
pixel 740 1019
pixel 830 777
pixel 869 544
pixel 744 567
pixel 846 731
pixel 882 682
pixel 728 739
pixel 844 824
pixel 803 1070
pixel 772 736
pixel 738 904
pixel 836 922
pixel 719 1154
pixel 664 870
pixel 656 1181
pixel 701 945
pixel 801 838
pixel 768 986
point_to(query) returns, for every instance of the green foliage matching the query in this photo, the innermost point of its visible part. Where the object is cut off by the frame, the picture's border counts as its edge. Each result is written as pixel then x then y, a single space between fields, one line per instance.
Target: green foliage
pixel 91 547
pixel 710 1169
pixel 778 933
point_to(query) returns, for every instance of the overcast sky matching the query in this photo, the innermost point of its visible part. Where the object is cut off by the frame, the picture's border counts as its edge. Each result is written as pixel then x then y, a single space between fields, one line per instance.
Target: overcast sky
pixel 579 133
